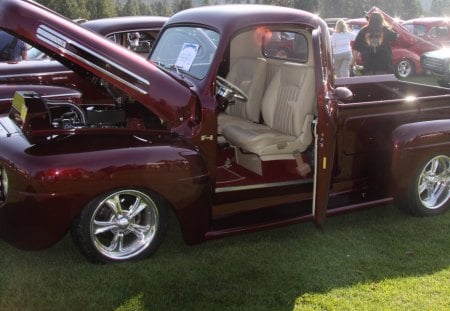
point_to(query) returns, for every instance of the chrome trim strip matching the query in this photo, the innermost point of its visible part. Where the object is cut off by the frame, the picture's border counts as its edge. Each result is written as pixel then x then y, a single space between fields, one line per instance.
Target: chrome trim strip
pixel 60 41
pixel 36 74
pixel 265 185
pixel 75 94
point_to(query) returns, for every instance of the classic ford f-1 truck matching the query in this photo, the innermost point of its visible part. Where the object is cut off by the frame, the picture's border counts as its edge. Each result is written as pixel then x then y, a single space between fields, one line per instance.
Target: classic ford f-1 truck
pixel 235 123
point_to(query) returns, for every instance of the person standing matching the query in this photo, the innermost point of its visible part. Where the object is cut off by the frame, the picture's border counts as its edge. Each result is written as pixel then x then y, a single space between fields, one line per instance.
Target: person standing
pixel 11 48
pixel 134 39
pixel 374 43
pixel 342 52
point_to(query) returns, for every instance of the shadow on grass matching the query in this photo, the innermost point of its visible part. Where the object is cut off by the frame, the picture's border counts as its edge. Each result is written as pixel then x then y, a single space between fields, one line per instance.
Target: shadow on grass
pixel 264 271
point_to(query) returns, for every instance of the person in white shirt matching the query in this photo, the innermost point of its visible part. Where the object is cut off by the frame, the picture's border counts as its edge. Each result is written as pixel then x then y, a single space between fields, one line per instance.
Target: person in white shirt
pixel 342 51
pixel 134 39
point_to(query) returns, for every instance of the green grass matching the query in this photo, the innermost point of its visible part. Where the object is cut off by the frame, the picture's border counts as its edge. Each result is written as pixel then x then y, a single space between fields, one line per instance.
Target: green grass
pixel 379 259
pixel 369 260
pixel 424 79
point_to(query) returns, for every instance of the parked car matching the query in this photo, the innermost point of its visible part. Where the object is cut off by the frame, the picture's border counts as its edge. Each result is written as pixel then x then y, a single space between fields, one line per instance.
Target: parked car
pixel 356 24
pixel 50 71
pixel 119 29
pixel 406 50
pixel 434 29
pixel 216 128
pixel 437 63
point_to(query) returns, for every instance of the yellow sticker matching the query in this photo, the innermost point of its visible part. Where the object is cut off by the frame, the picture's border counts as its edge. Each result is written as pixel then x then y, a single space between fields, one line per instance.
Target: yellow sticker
pixel 19 105
pixel 23 113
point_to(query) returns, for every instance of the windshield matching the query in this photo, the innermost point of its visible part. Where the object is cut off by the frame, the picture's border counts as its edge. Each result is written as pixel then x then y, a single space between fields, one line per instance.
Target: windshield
pixel 186 49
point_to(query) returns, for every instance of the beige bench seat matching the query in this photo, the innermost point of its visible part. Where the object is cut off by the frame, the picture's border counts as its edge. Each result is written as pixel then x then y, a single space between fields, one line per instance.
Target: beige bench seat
pixel 249 75
pixel 287 110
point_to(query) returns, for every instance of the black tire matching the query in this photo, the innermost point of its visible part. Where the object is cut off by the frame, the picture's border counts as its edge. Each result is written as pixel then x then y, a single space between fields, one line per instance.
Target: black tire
pixel 429 193
pixel 443 83
pixel 404 69
pixel 122 225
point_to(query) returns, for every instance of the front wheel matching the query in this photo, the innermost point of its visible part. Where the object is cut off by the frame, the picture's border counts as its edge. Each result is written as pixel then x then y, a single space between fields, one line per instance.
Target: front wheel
pixel 429 193
pixel 122 225
pixel 443 83
pixel 404 69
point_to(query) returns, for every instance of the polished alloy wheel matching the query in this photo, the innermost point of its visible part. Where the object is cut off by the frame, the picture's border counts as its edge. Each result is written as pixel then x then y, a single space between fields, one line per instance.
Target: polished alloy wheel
pixel 434 183
pixel 124 224
pixel 405 69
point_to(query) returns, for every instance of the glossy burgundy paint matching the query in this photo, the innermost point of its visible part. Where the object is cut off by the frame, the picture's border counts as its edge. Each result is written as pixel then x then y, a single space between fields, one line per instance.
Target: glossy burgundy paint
pixel 158 161
pixel 167 141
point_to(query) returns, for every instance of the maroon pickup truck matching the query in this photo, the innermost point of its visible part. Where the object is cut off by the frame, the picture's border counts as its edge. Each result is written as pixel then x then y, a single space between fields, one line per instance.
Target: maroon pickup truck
pixel 218 126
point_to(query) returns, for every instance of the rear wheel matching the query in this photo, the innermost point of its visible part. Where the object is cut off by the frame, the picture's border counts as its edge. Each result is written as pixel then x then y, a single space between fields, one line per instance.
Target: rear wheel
pixel 429 193
pixel 122 225
pixel 404 69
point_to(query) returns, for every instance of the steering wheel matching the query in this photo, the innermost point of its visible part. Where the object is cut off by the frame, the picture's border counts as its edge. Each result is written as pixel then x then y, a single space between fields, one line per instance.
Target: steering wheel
pixel 230 91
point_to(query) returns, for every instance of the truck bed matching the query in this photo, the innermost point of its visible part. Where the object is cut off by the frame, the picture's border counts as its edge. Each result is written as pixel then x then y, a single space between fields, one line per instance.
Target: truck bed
pixel 368 89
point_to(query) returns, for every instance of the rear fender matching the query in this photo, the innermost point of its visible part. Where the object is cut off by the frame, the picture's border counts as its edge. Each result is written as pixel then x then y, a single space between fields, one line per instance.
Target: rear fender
pixel 412 144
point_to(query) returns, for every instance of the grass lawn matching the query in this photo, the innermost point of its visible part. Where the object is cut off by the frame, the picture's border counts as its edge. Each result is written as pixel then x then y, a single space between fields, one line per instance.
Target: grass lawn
pixel 378 259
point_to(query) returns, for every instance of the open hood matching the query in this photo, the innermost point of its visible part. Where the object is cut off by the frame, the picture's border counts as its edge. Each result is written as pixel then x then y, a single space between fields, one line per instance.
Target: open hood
pixel 92 55
pixel 404 35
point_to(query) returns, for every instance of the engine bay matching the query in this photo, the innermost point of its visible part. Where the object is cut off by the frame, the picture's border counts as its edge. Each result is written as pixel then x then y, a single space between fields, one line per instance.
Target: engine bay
pixel 31 112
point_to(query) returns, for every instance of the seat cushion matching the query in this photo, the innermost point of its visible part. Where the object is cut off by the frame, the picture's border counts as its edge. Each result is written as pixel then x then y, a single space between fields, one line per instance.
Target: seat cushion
pixel 287 111
pixel 258 138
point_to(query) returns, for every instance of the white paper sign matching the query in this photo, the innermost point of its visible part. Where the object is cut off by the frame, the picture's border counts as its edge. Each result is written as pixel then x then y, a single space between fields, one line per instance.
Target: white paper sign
pixel 187 56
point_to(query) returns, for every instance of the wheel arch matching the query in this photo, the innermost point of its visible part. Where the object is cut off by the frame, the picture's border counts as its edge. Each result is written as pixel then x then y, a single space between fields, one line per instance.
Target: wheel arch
pixel 399 55
pixel 412 144
pixel 49 195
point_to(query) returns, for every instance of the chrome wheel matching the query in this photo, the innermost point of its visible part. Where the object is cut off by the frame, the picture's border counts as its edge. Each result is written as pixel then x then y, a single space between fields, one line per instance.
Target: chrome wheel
pixel 433 187
pixel 124 224
pixel 404 69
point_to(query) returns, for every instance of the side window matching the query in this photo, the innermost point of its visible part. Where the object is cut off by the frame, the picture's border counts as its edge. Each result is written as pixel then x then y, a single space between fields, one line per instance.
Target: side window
pixel 420 30
pixel 137 41
pixel 439 32
pixel 286 45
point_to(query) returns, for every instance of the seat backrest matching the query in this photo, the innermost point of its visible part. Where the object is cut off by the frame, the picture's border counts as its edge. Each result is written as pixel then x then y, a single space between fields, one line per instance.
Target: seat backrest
pixel 289 98
pixel 248 74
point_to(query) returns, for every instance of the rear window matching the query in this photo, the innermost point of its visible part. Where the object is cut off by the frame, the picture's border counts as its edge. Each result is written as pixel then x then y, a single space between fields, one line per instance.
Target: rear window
pixel 286 45
pixel 439 32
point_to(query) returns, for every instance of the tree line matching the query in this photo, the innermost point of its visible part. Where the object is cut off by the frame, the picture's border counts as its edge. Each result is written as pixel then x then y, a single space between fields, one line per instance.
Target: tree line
pixel 93 9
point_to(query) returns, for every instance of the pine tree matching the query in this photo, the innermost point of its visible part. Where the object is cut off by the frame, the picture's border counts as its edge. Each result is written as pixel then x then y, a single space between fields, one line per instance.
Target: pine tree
pixel 101 8
pixel 180 5
pixel 161 8
pixel 69 8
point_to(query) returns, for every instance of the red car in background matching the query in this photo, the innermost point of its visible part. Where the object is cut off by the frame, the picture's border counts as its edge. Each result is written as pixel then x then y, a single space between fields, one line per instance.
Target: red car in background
pixel 406 50
pixel 434 29
pixel 356 24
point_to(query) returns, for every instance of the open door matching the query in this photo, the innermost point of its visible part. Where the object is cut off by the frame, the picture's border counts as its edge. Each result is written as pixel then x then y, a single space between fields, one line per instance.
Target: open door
pixel 325 126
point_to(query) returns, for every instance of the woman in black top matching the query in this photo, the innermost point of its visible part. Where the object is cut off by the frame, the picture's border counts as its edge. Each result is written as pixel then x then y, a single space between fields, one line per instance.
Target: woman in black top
pixel 374 43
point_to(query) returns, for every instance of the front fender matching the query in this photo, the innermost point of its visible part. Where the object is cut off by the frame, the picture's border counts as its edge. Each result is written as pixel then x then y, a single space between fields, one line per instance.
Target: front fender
pixel 51 181
pixel 414 143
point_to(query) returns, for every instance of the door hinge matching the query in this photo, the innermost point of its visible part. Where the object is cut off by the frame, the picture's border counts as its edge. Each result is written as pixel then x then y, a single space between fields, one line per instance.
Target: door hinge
pixel 207 137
